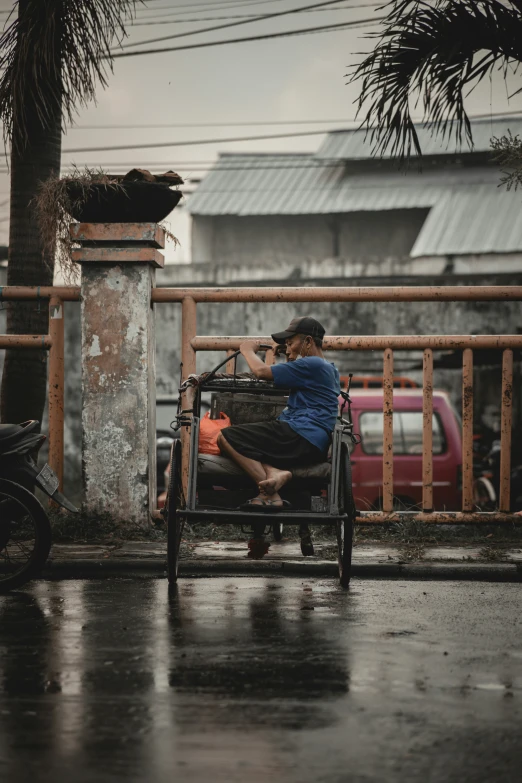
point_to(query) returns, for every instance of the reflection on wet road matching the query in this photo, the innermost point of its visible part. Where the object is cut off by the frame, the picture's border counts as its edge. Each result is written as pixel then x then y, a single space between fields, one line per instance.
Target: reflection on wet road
pixel 260 679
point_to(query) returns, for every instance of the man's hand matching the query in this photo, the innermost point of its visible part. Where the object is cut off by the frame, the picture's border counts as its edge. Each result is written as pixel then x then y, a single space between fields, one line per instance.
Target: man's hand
pixel 249 346
pixel 249 349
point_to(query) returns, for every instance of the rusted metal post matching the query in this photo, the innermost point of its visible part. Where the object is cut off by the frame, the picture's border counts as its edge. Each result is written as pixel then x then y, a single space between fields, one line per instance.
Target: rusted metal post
pixel 387 434
pixel 427 432
pixel 467 430
pixel 188 358
pixel 229 367
pixel 505 429
pixel 56 387
pixel 118 368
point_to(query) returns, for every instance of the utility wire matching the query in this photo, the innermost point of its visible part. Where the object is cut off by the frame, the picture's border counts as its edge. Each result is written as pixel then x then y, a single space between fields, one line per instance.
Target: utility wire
pixel 211 6
pixel 203 141
pixel 234 24
pixel 168 12
pixel 199 141
pixel 326 28
pixel 168 20
pixel 261 122
pixel 210 124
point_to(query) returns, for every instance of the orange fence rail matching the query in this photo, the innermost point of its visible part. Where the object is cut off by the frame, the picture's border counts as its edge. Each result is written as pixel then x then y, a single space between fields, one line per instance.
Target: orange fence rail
pixel 54 343
pixel 192 343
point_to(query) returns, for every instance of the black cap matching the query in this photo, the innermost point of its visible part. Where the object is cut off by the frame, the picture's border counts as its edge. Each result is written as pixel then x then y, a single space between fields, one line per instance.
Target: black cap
pixel 304 325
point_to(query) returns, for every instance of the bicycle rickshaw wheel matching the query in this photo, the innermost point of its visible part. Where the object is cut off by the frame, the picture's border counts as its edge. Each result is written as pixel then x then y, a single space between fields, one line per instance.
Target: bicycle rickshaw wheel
pixel 175 521
pixel 25 536
pixel 344 527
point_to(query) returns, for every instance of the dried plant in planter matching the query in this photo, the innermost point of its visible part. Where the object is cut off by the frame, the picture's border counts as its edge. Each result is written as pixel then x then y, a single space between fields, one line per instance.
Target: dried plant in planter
pixel 94 196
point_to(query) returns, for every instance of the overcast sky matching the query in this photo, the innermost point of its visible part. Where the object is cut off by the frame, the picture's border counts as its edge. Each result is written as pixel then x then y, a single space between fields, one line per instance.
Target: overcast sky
pixel 290 79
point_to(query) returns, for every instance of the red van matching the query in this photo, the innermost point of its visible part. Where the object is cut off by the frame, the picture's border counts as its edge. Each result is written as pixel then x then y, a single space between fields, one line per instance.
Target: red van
pixel 367 409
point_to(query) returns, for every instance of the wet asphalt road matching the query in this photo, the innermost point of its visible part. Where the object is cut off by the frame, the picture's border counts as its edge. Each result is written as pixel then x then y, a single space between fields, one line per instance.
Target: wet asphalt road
pixel 261 679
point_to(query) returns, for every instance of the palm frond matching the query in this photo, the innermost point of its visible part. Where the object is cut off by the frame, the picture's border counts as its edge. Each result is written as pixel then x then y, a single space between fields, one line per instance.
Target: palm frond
pixel 429 54
pixel 54 53
pixel 508 153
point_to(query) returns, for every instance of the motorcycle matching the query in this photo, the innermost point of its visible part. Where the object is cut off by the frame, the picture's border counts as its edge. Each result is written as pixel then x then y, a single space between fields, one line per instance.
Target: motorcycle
pixel 486 485
pixel 25 531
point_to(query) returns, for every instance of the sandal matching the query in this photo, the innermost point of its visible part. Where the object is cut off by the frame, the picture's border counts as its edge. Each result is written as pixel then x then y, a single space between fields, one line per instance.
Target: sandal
pixel 273 506
pixel 249 505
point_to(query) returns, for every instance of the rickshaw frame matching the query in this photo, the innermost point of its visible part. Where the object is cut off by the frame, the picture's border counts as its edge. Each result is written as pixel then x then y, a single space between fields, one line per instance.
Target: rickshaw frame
pixel 340 510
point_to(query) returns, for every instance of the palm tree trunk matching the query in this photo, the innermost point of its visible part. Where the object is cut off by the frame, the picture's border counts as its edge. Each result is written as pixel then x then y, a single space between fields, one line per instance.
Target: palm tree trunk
pixel 35 156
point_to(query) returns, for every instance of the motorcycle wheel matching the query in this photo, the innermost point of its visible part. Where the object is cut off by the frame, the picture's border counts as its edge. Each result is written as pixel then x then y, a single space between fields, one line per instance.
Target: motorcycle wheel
pixel 484 495
pixel 25 536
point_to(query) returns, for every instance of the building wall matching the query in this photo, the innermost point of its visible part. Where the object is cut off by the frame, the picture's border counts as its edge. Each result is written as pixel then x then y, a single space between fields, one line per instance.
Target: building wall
pixel 379 234
pixel 296 239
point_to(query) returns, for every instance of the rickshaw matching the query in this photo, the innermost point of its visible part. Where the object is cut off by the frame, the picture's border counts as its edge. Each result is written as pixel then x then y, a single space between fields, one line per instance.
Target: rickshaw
pixel 215 487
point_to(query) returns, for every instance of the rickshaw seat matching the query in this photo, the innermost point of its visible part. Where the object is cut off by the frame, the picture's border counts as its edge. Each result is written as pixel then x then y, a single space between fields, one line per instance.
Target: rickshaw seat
pixel 216 469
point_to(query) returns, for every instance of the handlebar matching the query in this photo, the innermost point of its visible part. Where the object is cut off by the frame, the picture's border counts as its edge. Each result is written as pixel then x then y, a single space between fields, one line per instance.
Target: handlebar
pixel 232 357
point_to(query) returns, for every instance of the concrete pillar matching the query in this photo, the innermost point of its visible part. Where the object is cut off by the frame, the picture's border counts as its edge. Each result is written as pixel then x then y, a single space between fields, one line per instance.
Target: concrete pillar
pixel 118 367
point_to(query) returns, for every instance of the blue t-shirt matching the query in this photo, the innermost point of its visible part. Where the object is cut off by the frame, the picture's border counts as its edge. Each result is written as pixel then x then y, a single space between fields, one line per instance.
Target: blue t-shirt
pixel 313 402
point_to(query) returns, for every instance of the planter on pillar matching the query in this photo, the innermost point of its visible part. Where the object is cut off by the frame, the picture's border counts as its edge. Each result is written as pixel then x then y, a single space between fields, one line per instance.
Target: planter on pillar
pixel 118 263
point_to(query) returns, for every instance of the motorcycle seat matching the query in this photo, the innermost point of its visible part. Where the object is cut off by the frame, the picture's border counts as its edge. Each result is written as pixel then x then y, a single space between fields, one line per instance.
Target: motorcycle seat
pixel 6 430
pixel 14 433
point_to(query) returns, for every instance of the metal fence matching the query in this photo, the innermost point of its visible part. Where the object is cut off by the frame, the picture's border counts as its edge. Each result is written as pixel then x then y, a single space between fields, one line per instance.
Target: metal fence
pixel 191 343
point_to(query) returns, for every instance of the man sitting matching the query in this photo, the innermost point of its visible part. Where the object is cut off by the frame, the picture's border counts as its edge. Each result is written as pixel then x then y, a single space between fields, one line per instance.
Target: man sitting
pixel 268 451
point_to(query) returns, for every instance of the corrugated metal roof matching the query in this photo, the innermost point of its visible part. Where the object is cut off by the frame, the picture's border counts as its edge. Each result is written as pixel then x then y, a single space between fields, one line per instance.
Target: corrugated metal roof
pixel 300 185
pixel 472 221
pixel 469 213
pixel 356 144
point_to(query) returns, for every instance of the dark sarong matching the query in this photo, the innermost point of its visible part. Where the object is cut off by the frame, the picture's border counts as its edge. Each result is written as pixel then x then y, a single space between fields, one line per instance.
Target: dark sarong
pixel 274 443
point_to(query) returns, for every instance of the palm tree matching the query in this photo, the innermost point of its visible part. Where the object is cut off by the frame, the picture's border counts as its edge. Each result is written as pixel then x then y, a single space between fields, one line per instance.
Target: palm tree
pixel 52 55
pixel 428 54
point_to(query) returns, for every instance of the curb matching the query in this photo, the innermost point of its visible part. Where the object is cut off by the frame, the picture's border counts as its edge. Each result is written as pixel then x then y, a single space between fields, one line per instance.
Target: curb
pixel 156 567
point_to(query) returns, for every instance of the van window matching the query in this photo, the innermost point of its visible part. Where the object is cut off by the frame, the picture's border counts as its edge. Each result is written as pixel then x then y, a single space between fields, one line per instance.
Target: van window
pixel 407 432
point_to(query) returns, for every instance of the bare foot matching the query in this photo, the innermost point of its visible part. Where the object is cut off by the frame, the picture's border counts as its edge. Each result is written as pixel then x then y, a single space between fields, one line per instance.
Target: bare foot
pixel 276 479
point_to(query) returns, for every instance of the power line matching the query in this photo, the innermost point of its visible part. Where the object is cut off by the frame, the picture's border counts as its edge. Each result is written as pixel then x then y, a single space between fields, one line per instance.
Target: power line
pixel 326 28
pixel 212 6
pixel 168 13
pixel 235 24
pixel 254 123
pixel 210 124
pixel 199 141
pixel 165 19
